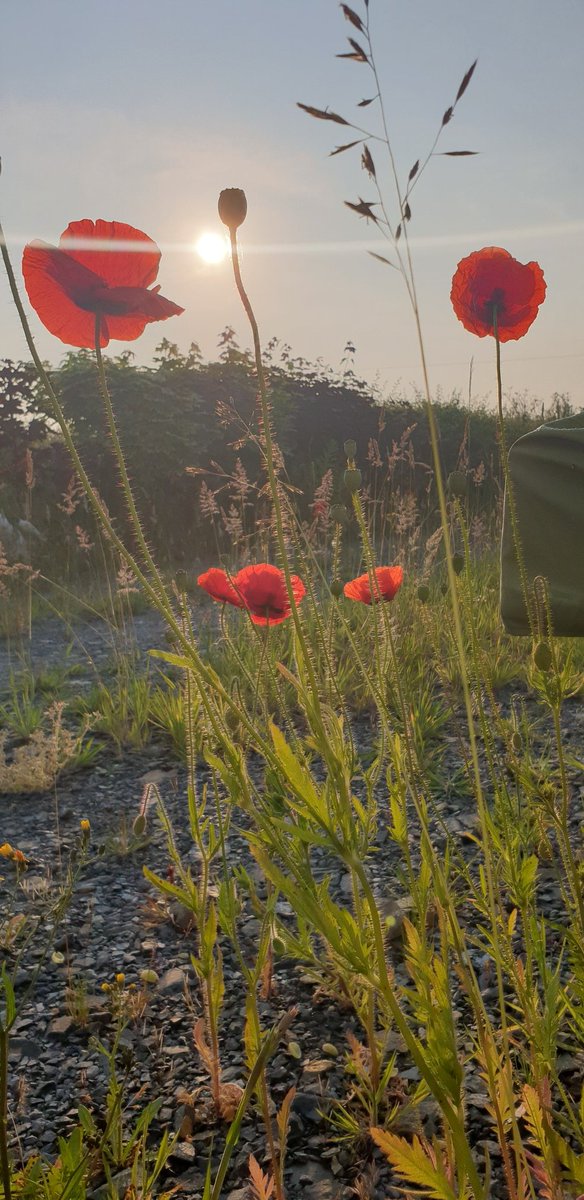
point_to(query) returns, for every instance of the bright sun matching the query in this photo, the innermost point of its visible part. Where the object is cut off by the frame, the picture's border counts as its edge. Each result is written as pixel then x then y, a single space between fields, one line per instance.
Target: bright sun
pixel 211 247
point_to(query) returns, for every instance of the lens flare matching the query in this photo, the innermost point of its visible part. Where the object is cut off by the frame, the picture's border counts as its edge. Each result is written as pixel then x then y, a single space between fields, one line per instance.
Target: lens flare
pixel 211 247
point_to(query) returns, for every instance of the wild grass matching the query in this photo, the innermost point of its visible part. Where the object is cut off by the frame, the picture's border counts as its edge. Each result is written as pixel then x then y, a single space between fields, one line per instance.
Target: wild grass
pixel 313 736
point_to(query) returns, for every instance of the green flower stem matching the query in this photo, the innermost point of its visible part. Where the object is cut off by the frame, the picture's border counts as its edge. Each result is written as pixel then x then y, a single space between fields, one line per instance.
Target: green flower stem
pixel 207 681
pixel 4 1159
pixel 570 864
pixel 270 467
pixel 451 1115
pixel 121 465
pixel 509 490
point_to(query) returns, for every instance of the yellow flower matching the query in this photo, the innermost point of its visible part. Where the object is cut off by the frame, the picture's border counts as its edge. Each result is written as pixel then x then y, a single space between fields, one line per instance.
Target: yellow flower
pixel 85 825
pixel 120 977
pixel 16 856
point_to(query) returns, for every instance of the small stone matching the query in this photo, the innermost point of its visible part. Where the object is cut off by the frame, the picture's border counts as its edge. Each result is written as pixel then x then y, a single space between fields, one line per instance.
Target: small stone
pixel 319 1066
pixel 330 1049
pixel 308 1106
pixel 173 980
pixel 61 1026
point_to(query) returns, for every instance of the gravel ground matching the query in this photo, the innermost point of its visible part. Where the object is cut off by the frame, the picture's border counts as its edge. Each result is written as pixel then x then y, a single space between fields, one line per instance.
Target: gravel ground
pixel 115 925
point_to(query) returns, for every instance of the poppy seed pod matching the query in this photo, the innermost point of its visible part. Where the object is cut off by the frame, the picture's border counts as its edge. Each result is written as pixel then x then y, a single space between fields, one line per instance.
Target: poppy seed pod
pixel 336 588
pixel 352 478
pixel 542 656
pixel 350 448
pixel 456 484
pixel 338 514
pixel 232 207
pixel 423 593
pixel 457 563
pixel 181 580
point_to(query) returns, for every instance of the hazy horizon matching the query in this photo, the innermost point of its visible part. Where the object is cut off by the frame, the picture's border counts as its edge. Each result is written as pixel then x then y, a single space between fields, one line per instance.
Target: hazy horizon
pixel 143 116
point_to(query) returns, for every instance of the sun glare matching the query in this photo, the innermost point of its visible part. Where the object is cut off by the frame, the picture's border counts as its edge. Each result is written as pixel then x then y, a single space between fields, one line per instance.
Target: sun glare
pixel 211 247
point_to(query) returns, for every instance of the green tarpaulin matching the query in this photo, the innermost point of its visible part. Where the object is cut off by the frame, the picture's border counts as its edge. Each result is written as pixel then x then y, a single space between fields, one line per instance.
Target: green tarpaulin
pixel 547 476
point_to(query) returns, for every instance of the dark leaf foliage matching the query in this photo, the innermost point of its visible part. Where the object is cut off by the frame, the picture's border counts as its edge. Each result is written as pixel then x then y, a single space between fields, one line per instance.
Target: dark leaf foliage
pixel 183 420
pixel 414 170
pixel 364 103
pixel 357 52
pixel 322 114
pixel 458 153
pixel 347 146
pixel 407 214
pixel 353 17
pixel 363 209
pixel 466 80
pixel 447 115
pixel 398 232
pixel 367 162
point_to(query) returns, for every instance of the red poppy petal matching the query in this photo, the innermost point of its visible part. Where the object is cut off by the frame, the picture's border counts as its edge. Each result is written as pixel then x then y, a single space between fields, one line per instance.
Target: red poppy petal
pixel 133 262
pixel 48 280
pixel 125 327
pixel 389 580
pixel 263 591
pixel 492 275
pixel 298 588
pixel 217 584
pixel 358 589
pixel 271 619
pixel 262 588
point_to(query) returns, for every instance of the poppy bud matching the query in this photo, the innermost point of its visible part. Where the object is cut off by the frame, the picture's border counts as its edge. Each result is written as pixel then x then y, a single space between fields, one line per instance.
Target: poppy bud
pixel 423 593
pixel 278 945
pixel 181 580
pixel 456 484
pixel 352 479
pixel 338 514
pixel 232 207
pixel 516 741
pixel 457 563
pixel 336 588
pixel 350 448
pixel 542 656
pixel 444 589
pixel 139 825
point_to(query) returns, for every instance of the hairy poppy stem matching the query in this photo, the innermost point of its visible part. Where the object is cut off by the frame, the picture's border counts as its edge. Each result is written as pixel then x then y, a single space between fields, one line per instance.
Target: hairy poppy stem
pixel 269 451
pixel 4 1159
pixel 122 469
pixel 207 680
pixel 509 491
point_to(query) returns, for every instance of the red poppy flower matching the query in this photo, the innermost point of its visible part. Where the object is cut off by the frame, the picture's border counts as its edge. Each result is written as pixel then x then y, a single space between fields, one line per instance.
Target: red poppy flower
pixel 492 278
pixel 260 589
pixel 389 581
pixel 69 285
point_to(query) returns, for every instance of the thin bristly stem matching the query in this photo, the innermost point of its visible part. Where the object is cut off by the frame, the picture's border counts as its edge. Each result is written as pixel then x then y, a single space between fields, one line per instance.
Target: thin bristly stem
pixel 121 464
pixel 509 490
pixel 269 456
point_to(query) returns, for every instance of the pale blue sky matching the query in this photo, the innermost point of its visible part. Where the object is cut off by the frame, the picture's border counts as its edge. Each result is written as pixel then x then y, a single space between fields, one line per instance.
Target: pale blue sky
pixel 138 111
